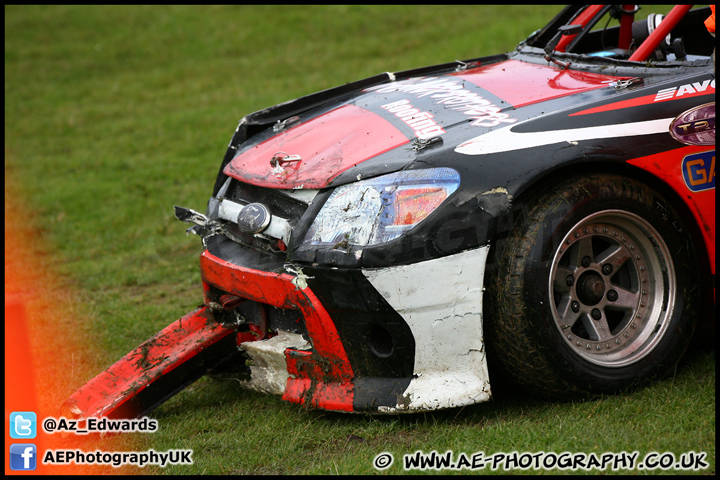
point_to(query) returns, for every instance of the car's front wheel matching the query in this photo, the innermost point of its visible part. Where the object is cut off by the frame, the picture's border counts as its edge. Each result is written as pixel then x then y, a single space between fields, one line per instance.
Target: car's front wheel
pixel 593 289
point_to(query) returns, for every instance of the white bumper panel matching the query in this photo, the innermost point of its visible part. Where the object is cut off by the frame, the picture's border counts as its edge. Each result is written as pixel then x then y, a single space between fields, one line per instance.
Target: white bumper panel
pixel 269 373
pixel 441 301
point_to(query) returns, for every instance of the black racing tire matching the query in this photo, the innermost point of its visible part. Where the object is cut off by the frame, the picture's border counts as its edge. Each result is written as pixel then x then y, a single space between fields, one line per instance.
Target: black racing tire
pixel 593 290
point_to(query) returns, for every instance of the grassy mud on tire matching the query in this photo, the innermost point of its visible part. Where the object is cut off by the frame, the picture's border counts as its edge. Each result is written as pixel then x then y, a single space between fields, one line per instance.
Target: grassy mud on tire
pixel 593 290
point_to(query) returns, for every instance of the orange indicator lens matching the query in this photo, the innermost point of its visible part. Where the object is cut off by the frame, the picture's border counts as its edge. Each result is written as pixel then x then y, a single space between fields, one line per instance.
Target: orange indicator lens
pixel 414 204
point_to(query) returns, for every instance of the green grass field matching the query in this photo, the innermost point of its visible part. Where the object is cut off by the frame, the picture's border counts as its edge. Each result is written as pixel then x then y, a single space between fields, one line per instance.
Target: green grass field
pixel 115 114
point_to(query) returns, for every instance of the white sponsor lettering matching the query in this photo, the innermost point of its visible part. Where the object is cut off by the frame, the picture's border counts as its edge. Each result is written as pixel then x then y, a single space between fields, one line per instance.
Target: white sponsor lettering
pixel 685 89
pixel 422 122
pixel 665 93
pixel 701 87
pixel 452 93
pixel 688 89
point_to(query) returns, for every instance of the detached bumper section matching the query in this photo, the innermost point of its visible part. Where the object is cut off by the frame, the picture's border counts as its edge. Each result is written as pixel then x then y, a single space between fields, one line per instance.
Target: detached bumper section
pixel 159 368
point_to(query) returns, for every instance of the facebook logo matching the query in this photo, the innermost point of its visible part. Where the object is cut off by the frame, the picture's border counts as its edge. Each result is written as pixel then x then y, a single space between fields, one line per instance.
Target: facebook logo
pixel 23 456
pixel 23 425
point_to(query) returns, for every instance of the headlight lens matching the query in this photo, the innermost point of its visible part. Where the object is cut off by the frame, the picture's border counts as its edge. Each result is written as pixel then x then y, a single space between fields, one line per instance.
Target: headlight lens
pixel 381 209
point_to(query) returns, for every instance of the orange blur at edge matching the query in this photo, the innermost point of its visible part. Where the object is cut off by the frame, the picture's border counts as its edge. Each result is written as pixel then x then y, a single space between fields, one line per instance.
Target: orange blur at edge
pixel 34 303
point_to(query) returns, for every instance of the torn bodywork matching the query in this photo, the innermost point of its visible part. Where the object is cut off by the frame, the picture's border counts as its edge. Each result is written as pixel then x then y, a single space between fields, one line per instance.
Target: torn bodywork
pixel 158 369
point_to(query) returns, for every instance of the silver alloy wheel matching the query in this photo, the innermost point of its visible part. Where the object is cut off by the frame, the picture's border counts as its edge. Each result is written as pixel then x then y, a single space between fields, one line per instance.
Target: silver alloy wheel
pixel 612 288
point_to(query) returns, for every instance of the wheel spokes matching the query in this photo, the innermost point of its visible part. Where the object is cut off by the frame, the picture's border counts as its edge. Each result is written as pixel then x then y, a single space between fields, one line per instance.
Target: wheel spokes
pixel 581 249
pixel 560 282
pixel 626 299
pixel 598 329
pixel 566 313
pixel 598 287
pixel 616 256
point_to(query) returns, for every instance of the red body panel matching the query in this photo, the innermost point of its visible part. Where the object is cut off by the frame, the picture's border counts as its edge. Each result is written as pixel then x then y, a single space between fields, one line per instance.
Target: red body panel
pixel 521 83
pixel 168 349
pixel 328 145
pixel 323 373
pixel 668 167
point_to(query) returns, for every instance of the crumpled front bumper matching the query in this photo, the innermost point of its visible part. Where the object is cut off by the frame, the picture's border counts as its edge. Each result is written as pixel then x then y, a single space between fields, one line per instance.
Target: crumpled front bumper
pixel 388 340
pixel 320 377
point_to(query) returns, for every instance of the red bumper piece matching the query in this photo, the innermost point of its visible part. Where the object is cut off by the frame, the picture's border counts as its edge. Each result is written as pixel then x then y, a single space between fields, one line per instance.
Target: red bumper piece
pixel 321 378
pixel 157 369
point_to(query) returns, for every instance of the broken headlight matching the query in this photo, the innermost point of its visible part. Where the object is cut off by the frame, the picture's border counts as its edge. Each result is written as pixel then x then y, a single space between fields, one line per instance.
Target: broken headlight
pixel 381 209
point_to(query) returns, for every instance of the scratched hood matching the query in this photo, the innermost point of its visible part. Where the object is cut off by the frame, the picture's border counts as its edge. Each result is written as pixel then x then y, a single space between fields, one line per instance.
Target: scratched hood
pixel 324 147
pixel 393 116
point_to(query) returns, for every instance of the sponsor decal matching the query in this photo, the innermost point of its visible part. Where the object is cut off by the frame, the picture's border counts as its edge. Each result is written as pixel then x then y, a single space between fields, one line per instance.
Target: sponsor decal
pixel 505 140
pixel 695 126
pixel 453 95
pixel 422 122
pixel 699 171
pixel 706 87
pixel 682 90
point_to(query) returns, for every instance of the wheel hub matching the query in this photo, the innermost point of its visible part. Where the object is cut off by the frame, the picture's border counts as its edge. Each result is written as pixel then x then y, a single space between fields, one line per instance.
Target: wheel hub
pixel 608 284
pixel 591 288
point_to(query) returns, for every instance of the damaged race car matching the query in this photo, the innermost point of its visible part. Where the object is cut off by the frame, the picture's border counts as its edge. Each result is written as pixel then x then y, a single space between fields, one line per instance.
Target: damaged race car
pixel 367 248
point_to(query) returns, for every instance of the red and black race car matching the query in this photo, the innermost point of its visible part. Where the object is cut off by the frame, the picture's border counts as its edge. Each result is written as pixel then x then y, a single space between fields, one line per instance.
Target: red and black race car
pixel 369 247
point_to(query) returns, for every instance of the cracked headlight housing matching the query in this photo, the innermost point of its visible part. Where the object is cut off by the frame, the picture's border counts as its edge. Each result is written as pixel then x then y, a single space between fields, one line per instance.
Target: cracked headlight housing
pixel 378 210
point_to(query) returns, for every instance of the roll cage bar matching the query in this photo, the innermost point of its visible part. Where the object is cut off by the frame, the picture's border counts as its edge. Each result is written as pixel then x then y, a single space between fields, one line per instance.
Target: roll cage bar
pixel 571 26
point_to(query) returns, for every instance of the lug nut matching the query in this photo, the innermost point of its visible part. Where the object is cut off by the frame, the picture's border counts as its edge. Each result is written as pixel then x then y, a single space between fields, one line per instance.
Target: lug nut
pixel 586 262
pixel 607 269
pixel 596 314
pixel 570 280
pixel 575 305
pixel 612 295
